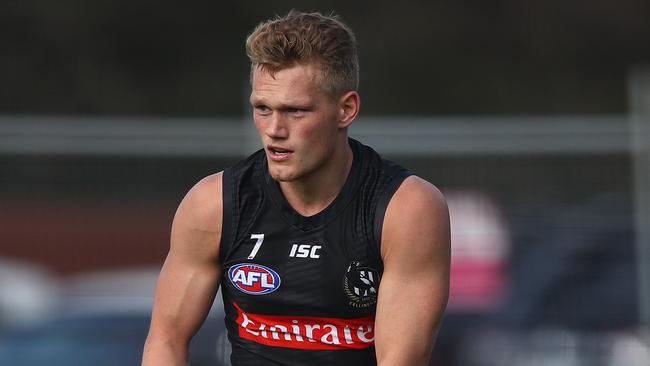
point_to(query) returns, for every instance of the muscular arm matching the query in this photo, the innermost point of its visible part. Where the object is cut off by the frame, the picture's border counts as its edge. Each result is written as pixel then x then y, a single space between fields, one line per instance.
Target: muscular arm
pixel 189 278
pixel 415 283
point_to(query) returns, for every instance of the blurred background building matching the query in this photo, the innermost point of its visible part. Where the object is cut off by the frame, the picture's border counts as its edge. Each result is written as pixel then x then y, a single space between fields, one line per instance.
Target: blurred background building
pixel 532 117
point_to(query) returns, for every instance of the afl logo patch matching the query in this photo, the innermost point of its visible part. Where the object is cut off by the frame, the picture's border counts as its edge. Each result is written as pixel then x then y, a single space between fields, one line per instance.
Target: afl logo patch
pixel 254 279
pixel 360 284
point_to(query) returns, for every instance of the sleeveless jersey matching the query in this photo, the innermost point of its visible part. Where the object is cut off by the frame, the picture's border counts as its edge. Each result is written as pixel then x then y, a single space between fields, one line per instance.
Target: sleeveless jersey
pixel 303 290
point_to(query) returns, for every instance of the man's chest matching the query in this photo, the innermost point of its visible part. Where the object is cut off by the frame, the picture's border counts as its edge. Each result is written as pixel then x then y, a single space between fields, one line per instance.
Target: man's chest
pixel 328 270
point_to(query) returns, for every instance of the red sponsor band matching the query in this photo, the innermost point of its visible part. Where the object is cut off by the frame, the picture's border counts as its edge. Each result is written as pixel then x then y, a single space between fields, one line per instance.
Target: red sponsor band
pixel 304 332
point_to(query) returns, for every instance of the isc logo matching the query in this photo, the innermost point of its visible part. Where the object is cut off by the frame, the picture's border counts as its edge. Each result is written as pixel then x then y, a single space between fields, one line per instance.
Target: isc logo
pixel 254 279
pixel 305 251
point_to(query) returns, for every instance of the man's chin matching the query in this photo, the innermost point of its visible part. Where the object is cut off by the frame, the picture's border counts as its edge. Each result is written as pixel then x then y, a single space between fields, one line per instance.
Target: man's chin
pixel 282 176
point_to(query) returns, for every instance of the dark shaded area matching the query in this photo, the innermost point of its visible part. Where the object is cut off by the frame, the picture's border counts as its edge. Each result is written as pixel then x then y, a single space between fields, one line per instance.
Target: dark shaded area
pixel 472 57
pixel 112 178
pixel 590 283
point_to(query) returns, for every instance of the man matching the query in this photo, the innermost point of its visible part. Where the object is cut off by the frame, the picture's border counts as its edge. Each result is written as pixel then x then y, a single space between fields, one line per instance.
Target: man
pixel 325 253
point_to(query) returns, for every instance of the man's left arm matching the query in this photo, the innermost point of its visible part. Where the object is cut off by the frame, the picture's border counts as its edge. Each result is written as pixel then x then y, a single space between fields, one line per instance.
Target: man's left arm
pixel 415 248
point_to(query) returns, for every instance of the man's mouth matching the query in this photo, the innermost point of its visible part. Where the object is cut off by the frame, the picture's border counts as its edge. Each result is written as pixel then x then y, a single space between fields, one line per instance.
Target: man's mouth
pixel 278 152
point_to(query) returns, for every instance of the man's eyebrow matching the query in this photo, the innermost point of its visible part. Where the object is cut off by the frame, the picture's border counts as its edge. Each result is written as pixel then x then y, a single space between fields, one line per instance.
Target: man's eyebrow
pixel 257 101
pixel 282 105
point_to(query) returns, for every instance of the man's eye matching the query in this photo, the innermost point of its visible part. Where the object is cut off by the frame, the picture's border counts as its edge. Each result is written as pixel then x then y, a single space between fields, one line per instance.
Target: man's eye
pixel 262 109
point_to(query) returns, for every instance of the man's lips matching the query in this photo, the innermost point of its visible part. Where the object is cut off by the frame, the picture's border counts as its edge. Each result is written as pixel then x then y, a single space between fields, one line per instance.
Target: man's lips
pixel 278 149
pixel 278 153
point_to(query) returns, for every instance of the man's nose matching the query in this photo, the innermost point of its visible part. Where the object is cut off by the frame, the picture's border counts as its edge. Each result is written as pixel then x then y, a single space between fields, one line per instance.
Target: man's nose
pixel 277 126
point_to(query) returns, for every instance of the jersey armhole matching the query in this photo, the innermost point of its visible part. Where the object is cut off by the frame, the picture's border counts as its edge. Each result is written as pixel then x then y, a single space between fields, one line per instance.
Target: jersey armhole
pixel 226 215
pixel 388 192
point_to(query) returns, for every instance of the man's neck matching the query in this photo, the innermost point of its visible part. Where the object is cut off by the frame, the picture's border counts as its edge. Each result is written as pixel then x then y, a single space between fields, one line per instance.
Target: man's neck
pixel 312 194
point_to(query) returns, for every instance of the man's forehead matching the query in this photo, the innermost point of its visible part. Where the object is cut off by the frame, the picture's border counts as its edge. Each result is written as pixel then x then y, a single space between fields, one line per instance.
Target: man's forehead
pixel 293 84
pixel 304 71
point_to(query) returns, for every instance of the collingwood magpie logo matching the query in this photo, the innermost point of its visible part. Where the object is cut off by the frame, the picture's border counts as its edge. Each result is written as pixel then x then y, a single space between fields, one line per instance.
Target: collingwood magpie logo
pixel 360 284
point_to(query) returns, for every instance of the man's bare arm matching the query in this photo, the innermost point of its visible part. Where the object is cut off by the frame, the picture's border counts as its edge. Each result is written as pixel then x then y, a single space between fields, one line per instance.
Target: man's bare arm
pixel 190 276
pixel 415 284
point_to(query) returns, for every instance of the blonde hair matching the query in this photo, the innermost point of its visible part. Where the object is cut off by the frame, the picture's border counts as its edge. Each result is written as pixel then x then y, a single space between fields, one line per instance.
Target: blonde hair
pixel 301 38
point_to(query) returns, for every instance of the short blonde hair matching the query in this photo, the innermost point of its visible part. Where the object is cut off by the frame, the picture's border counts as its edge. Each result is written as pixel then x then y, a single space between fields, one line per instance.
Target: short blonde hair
pixel 300 38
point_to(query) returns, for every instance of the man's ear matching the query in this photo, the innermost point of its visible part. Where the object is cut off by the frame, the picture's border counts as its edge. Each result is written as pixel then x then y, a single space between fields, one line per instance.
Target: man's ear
pixel 349 105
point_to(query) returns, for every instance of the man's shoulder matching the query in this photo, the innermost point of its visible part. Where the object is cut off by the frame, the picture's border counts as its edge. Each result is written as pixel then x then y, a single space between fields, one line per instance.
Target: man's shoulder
pixel 207 187
pixel 204 200
pixel 414 200
pixel 421 190
pixel 418 210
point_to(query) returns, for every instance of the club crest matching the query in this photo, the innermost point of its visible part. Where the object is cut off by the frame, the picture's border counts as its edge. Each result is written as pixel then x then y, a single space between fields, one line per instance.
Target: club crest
pixel 361 284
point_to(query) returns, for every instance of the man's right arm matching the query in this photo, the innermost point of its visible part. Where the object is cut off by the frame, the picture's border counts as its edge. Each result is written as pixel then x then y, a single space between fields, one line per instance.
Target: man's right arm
pixel 190 277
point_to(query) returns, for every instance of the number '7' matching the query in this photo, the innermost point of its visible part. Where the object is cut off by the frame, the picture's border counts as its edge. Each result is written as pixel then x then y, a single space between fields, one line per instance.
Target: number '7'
pixel 258 244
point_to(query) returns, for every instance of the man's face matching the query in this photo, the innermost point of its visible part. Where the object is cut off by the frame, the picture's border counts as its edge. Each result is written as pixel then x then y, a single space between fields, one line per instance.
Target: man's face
pixel 296 120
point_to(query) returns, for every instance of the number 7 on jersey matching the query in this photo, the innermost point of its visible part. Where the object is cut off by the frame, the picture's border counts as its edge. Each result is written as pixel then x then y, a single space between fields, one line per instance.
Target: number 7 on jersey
pixel 258 244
